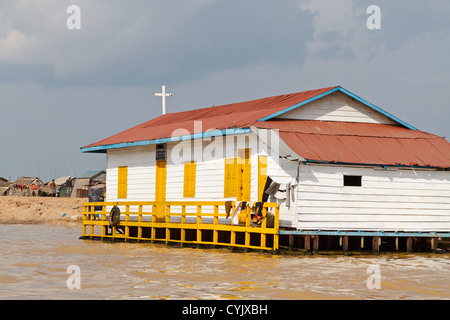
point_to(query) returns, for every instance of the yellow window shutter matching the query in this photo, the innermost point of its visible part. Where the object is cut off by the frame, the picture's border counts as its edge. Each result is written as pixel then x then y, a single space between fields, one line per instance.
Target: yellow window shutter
pixel 122 183
pixel 189 179
pixel 246 181
pixel 193 177
pixel 226 180
pixel 230 178
pixel 234 178
pixel 244 175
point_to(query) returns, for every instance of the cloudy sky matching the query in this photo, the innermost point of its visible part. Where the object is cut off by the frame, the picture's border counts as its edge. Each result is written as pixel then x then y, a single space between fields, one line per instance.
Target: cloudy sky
pixel 61 88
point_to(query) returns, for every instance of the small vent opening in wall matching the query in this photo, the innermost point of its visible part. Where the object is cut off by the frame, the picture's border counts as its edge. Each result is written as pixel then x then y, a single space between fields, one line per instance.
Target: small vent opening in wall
pixel 352 181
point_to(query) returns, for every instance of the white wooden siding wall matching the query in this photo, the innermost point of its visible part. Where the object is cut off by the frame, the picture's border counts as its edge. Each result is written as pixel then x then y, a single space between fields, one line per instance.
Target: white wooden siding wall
pixel 209 172
pixel 400 200
pixel 283 171
pixel 210 160
pixel 141 173
pixel 337 107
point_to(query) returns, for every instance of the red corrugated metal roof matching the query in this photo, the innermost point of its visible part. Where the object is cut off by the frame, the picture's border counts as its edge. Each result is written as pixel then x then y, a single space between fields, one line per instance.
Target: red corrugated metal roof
pixel 362 143
pixel 235 115
pixel 337 142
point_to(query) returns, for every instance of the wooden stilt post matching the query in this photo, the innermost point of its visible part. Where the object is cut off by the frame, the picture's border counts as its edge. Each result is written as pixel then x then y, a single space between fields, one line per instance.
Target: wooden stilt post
pixel 291 241
pixel 345 244
pixel 376 244
pixel 409 244
pixel 316 244
pixel 434 244
pixel 308 243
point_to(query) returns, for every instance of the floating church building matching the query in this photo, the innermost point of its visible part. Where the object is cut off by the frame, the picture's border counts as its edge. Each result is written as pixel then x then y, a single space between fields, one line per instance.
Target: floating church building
pixel 322 163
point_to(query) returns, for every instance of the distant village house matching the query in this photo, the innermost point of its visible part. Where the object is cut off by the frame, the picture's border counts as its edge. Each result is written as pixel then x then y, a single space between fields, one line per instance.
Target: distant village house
pixel 33 186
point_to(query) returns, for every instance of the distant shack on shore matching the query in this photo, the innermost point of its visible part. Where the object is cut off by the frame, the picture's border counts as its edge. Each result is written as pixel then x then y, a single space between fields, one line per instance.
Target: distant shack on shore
pixel 34 186
pixel 4 185
pixel 24 186
pixel 82 183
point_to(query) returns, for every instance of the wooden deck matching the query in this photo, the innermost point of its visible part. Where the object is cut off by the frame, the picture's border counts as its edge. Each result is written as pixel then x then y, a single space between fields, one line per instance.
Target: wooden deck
pixel 196 222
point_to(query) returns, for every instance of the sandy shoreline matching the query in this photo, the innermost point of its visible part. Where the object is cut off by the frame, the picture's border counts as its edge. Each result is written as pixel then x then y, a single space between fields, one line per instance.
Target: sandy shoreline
pixel 41 210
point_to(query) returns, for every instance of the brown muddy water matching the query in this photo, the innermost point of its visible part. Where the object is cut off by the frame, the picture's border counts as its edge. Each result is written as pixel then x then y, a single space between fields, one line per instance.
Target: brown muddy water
pixel 35 260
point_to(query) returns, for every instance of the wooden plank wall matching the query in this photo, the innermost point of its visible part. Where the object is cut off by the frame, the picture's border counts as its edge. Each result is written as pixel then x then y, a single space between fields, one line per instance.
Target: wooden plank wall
pixel 209 172
pixel 388 200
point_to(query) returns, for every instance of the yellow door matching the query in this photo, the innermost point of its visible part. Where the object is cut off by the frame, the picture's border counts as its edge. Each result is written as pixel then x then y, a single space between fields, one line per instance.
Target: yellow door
pixel 244 175
pixel 189 179
pixel 160 194
pixel 262 175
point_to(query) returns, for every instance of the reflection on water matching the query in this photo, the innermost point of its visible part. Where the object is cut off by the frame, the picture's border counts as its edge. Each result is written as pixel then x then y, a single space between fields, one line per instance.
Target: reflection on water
pixel 34 261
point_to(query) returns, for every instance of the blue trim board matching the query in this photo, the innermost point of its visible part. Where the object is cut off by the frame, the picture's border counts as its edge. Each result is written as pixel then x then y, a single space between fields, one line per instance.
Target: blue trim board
pixel 102 149
pixel 360 233
pixel 370 105
pixel 376 108
pixel 199 135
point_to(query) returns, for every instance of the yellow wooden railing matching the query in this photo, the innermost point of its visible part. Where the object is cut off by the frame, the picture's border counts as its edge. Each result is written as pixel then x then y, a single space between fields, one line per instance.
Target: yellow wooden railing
pixel 171 221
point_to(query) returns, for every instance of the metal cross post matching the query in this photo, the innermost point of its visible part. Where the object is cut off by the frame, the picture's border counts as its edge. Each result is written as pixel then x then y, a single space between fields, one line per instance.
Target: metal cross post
pixel 163 94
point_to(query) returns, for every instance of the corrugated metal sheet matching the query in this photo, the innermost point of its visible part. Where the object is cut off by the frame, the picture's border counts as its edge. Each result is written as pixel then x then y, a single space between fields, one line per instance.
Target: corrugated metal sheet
pixel 236 115
pixel 337 142
pixel 362 143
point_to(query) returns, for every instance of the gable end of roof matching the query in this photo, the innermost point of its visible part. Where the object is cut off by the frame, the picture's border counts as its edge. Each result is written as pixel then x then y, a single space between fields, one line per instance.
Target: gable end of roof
pixel 348 93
